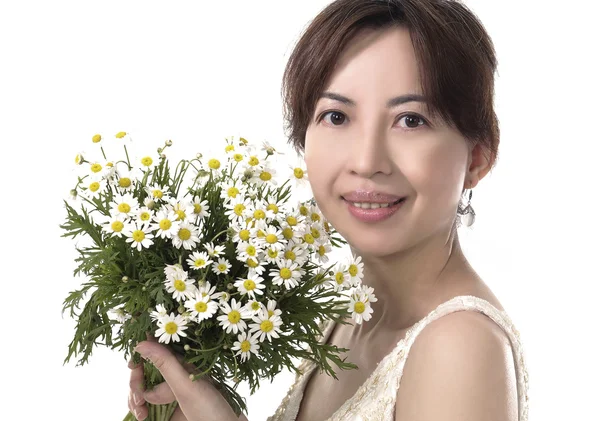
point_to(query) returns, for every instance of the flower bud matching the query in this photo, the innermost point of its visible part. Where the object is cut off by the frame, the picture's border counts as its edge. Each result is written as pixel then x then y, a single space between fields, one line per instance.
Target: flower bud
pixel 124 279
pixel 181 309
pixel 159 150
pixel 199 155
pixel 163 156
pixel 73 193
pixel 144 288
pixel 225 346
pixel 169 142
pixel 186 347
pixel 230 286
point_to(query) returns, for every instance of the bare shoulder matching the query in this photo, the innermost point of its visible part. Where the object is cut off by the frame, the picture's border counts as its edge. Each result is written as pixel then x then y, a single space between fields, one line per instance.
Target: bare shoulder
pixel 460 367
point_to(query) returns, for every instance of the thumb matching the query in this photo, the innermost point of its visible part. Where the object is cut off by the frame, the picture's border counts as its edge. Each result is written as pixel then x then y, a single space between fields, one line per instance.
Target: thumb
pixel 171 369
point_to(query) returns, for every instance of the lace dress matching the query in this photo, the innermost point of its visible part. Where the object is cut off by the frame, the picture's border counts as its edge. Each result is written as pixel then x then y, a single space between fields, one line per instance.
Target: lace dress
pixel 375 399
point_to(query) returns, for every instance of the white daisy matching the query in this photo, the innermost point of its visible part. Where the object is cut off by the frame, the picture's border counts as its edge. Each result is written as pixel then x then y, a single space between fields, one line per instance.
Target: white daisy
pixel 124 181
pixel 171 327
pixel 172 269
pixel 292 234
pixel 231 189
pixel 119 314
pixel 237 208
pixel 214 251
pixel 201 210
pixel 207 290
pixel 182 208
pixel 178 284
pixel 145 163
pixel 264 175
pixel 341 278
pixel 156 192
pixel 276 207
pixel 198 260
pixel 159 313
pixel 299 173
pixel 355 269
pixel 221 266
pixel 253 306
pixel 187 236
pixel 223 297
pixel 321 253
pixel 139 235
pixel 272 255
pixel 272 309
pixel 273 238
pixel 365 292
pixel 289 273
pixel 251 285
pixel 201 307
pixel 233 319
pixel 265 326
pixel 245 346
pixel 259 212
pixel 144 215
pixel 360 309
pixel 297 253
pixel 166 224
pixel 116 224
pixel 124 204
pixel 242 232
pixel 248 250
pixel 257 266
pixel 93 187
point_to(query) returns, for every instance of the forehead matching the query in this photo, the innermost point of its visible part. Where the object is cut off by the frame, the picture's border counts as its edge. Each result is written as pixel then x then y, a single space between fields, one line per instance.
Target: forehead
pixel 381 60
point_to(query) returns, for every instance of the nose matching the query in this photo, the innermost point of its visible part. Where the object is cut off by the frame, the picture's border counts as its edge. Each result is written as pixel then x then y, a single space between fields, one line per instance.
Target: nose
pixel 370 155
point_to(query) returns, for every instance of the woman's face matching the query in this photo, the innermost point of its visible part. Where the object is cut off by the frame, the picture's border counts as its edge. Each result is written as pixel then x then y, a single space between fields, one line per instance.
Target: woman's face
pixel 366 153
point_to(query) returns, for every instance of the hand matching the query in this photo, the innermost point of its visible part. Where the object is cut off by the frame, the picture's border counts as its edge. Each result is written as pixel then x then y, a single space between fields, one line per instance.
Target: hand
pixel 197 400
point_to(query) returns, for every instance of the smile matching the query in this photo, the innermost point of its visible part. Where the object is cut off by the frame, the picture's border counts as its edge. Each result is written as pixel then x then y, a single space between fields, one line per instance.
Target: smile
pixel 373 205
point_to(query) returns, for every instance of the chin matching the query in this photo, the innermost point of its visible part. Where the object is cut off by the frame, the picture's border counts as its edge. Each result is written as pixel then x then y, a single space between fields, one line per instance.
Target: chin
pixel 375 244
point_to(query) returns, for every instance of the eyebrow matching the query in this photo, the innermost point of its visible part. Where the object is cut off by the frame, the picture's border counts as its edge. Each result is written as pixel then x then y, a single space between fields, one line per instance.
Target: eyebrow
pixel 394 102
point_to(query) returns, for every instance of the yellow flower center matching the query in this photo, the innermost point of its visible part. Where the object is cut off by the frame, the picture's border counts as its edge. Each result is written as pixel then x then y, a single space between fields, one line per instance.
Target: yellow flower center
pixel 232 192
pixel 303 210
pixel 266 326
pixel 146 161
pixel 291 221
pixel 199 263
pixel 96 168
pixel 96 138
pixel 200 307
pixel 229 148
pixel 180 214
pixel 184 234
pixel 289 255
pixel 321 251
pixel 138 235
pixel 315 232
pixel 125 182
pixel 285 273
pixel 309 238
pixel 259 214
pixel 179 285
pixel 265 176
pixel 271 238
pixel 244 141
pixel 78 159
pixel 255 305
pixel 117 226
pixel 249 284
pixel 94 186
pixel 359 307
pixel 238 157
pixel 244 235
pixel 273 207
pixel 260 234
pixel 245 346
pixel 298 173
pixel 251 263
pixel 165 224
pixel 239 209
pixel 269 313
pixel 272 253
pixel 339 278
pixel 124 208
pixel 253 161
pixel 251 250
pixel 315 217
pixel 288 233
pixel 234 316
pixel 353 270
pixel 157 194
pixel 145 216
pixel 171 328
pixel 120 135
pixel 214 164
pixel 197 208
pixel 222 267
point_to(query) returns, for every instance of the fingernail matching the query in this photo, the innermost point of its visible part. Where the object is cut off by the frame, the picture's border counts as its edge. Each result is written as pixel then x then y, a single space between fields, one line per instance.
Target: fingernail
pixel 137 414
pixel 137 399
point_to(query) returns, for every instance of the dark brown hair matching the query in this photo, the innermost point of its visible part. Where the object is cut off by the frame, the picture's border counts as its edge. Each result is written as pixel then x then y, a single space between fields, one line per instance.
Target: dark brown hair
pixel 456 58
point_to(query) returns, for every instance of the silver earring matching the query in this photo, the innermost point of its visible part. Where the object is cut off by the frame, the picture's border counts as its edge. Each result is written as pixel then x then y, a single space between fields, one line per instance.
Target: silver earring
pixel 467 212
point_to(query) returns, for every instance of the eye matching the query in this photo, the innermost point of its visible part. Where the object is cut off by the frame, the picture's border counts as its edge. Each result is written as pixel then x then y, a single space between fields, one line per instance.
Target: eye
pixel 413 121
pixel 337 117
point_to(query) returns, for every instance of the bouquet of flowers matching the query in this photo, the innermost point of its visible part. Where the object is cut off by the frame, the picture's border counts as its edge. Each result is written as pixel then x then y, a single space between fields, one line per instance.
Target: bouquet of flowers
pixel 213 257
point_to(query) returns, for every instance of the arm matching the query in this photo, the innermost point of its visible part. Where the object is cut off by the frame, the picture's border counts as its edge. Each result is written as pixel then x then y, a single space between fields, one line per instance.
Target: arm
pixel 460 368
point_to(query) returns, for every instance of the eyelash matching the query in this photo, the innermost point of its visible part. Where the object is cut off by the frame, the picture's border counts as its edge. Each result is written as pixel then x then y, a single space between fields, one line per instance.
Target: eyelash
pixel 425 122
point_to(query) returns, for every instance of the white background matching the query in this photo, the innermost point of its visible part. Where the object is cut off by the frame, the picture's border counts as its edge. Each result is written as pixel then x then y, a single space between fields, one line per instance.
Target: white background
pixel 195 72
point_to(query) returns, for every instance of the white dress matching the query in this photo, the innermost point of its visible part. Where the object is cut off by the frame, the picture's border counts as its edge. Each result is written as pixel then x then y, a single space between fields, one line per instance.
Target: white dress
pixel 375 399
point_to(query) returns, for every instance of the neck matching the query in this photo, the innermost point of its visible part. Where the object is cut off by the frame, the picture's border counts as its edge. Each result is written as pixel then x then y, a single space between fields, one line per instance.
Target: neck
pixel 409 284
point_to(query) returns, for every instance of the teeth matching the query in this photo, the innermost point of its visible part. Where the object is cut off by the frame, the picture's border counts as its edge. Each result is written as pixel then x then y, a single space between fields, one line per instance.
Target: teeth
pixel 370 205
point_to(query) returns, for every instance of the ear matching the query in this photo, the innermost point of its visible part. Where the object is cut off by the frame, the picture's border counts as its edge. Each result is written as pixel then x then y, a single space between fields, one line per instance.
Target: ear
pixel 478 165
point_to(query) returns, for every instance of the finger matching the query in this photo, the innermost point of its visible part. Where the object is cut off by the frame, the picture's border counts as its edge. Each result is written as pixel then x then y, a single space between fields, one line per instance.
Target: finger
pixel 131 364
pixel 136 384
pixel 172 371
pixel 160 394
pixel 178 415
pixel 139 411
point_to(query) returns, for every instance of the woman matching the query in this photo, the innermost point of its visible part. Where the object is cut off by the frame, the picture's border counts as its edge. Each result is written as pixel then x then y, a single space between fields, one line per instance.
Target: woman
pixel 392 104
